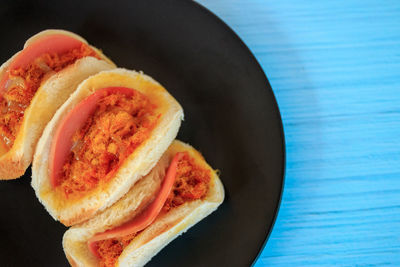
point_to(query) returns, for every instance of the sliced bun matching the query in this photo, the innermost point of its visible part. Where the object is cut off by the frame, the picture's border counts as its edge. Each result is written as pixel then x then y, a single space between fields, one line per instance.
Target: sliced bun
pixel 49 97
pixel 138 164
pixel 156 236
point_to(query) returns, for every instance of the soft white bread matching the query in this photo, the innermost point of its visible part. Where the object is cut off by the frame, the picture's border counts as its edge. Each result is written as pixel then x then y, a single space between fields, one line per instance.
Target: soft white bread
pixel 52 93
pixel 163 230
pixel 138 164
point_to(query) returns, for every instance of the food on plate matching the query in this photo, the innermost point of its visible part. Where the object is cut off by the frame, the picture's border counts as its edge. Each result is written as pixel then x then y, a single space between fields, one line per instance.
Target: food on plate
pixel 34 83
pixel 110 133
pixel 180 190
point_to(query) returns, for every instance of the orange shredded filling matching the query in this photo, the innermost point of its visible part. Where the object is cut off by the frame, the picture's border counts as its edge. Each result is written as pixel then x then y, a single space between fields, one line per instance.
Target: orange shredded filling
pixel 117 127
pixel 110 249
pixel 191 182
pixel 23 83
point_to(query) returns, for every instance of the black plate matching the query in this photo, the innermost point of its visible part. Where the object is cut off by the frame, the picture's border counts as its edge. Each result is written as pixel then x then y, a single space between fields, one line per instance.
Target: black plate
pixel 230 115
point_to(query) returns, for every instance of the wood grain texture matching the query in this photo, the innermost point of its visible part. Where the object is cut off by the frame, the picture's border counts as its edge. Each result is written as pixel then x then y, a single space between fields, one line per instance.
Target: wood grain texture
pixel 334 67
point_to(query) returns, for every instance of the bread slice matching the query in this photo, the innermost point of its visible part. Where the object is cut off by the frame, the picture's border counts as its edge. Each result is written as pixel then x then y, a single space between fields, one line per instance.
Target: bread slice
pixel 49 97
pixel 156 236
pixel 138 164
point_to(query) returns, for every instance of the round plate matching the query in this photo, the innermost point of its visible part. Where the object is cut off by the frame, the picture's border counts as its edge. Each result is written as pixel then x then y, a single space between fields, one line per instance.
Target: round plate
pixel 231 116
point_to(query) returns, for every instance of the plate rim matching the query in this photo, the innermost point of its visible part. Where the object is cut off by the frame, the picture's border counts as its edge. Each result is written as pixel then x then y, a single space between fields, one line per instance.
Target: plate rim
pixel 281 128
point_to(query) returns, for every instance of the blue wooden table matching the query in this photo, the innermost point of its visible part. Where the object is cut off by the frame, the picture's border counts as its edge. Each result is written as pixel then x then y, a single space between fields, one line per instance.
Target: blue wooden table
pixel 334 67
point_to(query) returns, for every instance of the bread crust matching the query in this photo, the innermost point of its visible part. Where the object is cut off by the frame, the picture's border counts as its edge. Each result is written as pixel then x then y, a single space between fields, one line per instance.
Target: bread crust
pixel 138 164
pixel 53 91
pixel 162 231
